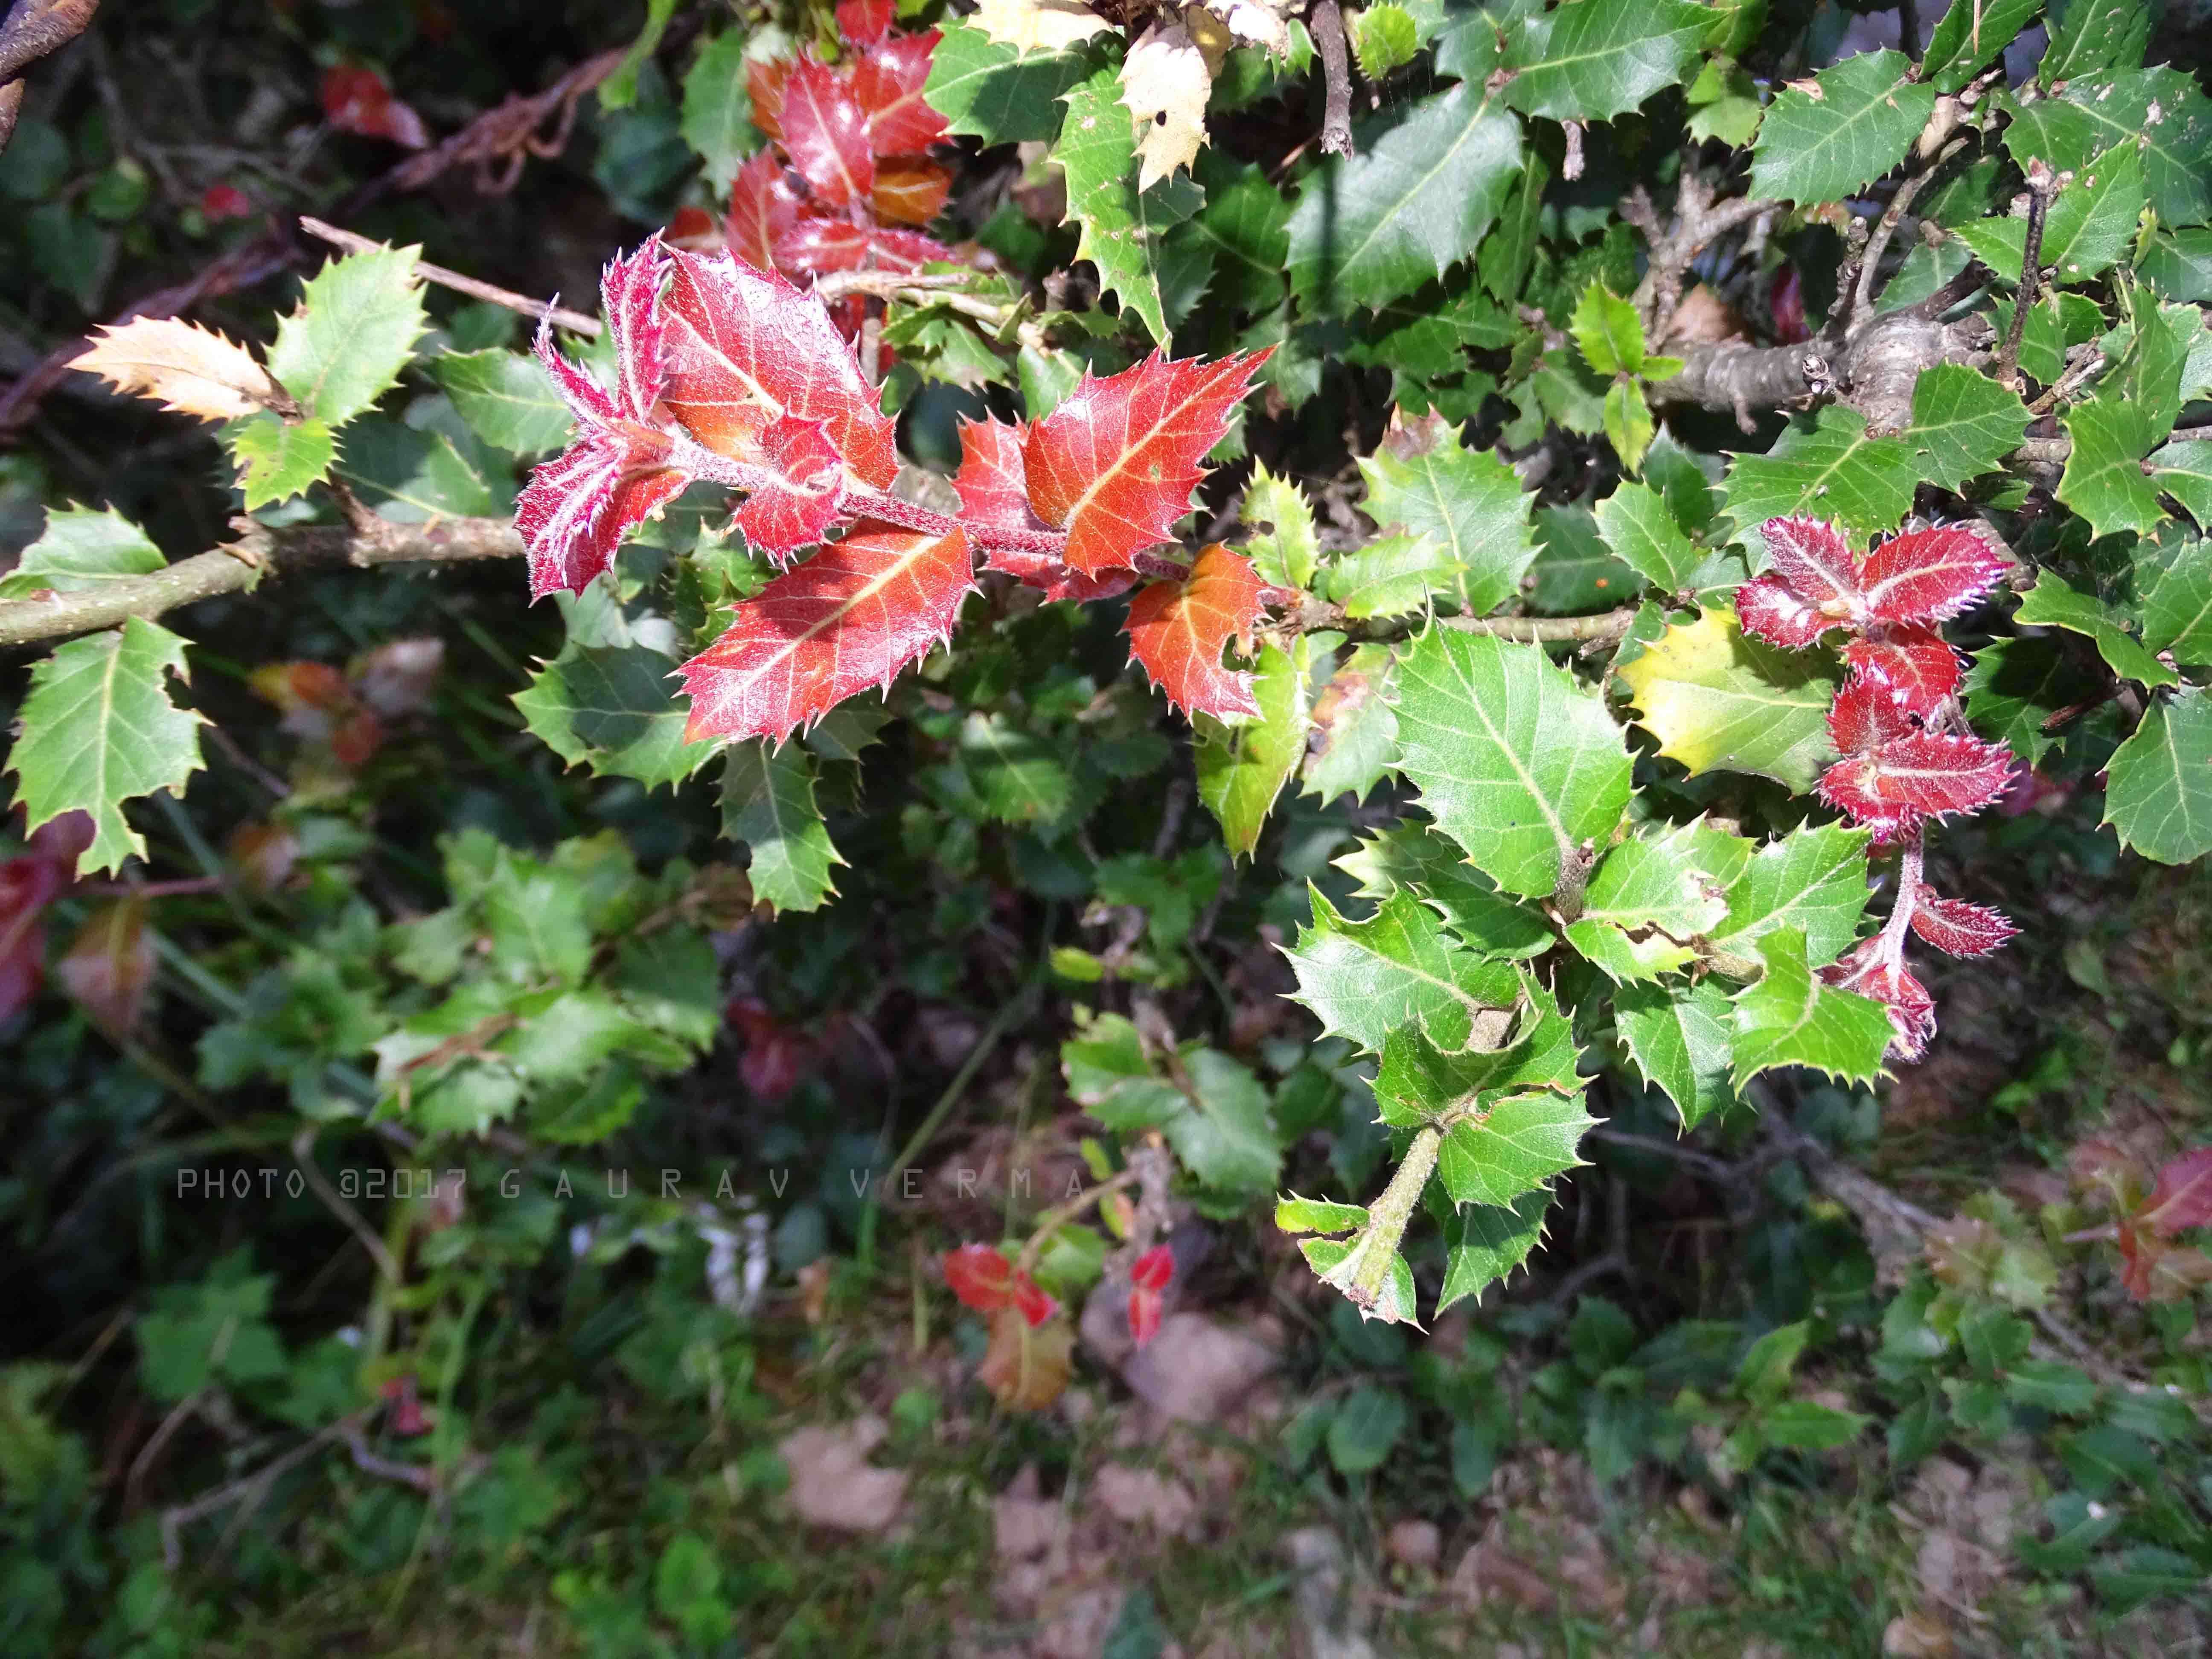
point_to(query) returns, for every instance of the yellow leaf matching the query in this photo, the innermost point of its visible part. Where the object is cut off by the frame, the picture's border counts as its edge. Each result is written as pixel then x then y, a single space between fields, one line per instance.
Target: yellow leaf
pixel 1038 25
pixel 192 370
pixel 1718 700
pixel 1165 83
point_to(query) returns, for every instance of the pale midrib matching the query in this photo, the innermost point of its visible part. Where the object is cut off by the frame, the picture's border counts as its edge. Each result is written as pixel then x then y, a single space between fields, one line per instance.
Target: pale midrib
pixel 1566 845
pixel 1474 123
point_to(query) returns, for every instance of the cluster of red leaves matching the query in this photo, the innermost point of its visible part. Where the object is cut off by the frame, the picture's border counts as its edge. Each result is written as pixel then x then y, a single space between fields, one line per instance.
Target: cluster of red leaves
pixel 983 1278
pixel 778 1056
pixel 350 712
pixel 358 99
pixel 1906 754
pixel 1148 1282
pixel 846 175
pixel 2152 1212
pixel 730 373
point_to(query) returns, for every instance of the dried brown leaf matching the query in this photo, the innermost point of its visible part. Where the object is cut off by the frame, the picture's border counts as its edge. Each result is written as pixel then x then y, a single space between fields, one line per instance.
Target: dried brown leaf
pixel 191 369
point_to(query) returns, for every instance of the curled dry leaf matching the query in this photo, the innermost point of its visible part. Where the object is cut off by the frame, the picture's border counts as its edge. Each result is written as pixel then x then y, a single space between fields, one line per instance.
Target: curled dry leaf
pixel 1165 82
pixel 1038 25
pixel 110 967
pixel 192 370
pixel 1026 1366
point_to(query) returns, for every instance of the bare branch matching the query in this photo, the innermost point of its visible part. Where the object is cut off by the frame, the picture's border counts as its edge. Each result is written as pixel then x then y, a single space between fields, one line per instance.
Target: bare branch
pixel 574 321
pixel 259 551
pixel 2042 185
pixel 1327 19
pixel 1316 616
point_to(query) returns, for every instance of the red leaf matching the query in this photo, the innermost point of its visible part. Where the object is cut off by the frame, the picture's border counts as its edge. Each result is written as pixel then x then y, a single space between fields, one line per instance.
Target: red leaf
pixel 994 495
pixel 1770 609
pixel 1927 575
pixel 1032 1304
pixel 2183 1197
pixel 825 132
pixel 1867 972
pixel 1177 629
pixel 765 84
pixel 27 883
pixel 1914 664
pixel 110 967
pixel 981 1276
pixel 1153 1269
pixel 1960 928
pixel 850 617
pixel 697 231
pixel 910 193
pixel 815 243
pixel 1811 556
pixel 1927 774
pixel 746 348
pixel 764 208
pixel 1145 1308
pixel 220 202
pixel 887 84
pixel 864 22
pixel 1863 717
pixel 1786 303
pixel 358 99
pixel 1115 464
pixel 789 516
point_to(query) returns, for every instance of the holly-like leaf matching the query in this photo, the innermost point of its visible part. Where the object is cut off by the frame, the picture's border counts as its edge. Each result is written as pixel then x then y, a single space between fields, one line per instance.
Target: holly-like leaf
pixel 1514 760
pixel 1156 277
pixel 1648 898
pixel 1963 421
pixel 507 399
pixel 278 460
pixel 2017 690
pixel 981 1276
pixel 2088 36
pixel 97 728
pixel 1355 728
pixel 1914 664
pixel 1469 505
pixel 1927 575
pixel 80 551
pixel 2182 469
pixel 1718 701
pixel 1224 1136
pixel 1483 1243
pixel 2090 225
pixel 1893 775
pixel 1242 767
pixel 825 133
pixel 1960 928
pixel 1813 880
pixel 1682 1040
pixel 1114 463
pixel 1166 82
pixel 192 370
pixel 612 709
pixel 1018 776
pixel 1827 140
pixel 357 324
pixel 1590 60
pixel 2158 789
pixel 1038 25
pixel 1608 329
pixel 1285 550
pixel 1363 979
pixel 1642 532
pixel 768 803
pixel 849 618
pixel 1969 35
pixel 2162 110
pixel 747 350
pixel 1417 198
pixel 1178 630
pixel 889 80
pixel 1514 1149
pixel 2104 480
pixel 997 91
pixel 2177 612
pixel 1827 467
pixel 1790 1018
pixel 2053 601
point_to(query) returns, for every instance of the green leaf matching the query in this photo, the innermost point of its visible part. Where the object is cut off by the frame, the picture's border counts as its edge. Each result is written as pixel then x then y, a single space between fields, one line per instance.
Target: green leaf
pixel 1514 759
pixel 277 461
pixel 2016 687
pixel 1415 856
pixel 1468 503
pixel 619 89
pixel 1717 700
pixel 1963 423
pixel 1790 1018
pixel 1682 1039
pixel 412 474
pixel 1609 331
pixel 1813 880
pixel 2157 791
pixel 1828 142
pixel 1829 467
pixel 2091 224
pixel 1508 252
pixel 1317 1215
pixel 1110 1077
pixel 2090 36
pixel 996 93
pixel 1419 1083
pixel 612 709
pixel 1019 777
pixel 1242 767
pixel 1225 1136
pixel 1642 533
pixel 1514 1149
pixel 1355 728
pixel 1969 35
pixel 2177 610
pixel 716 110
pixel 1590 60
pixel 2161 109
pixel 2055 602
pixel 2104 480
pixel 2182 469
pixel 357 324
pixel 1807 1425
pixel 1284 548
pixel 768 803
pixel 1156 277
pixel 1363 979
pixel 80 550
pixel 1653 885
pixel 2178 265
pixel 506 400
pixel 1245 227
pixel 1628 422
pixel 97 728
pixel 1384 37
pixel 1483 1243
pixel 1365 1427
pixel 1417 198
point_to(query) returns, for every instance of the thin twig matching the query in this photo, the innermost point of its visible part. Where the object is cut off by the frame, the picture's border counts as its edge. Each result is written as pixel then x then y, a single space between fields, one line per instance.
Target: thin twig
pixel 1327 23
pixel 574 321
pixel 2042 185
pixel 1317 615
